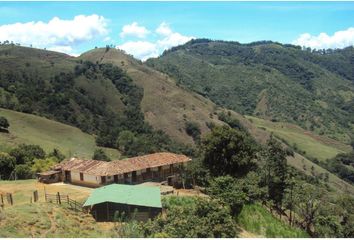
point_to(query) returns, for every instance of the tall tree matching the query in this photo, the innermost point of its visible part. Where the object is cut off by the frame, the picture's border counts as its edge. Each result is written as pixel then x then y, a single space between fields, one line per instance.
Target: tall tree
pixel 276 175
pixel 229 152
pixel 307 204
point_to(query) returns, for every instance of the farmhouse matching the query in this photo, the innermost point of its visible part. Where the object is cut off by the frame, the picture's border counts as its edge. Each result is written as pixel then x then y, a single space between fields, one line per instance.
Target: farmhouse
pixel 138 202
pixel 153 167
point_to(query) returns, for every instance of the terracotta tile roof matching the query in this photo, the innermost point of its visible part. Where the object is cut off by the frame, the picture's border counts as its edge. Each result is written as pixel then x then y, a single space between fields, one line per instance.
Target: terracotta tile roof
pixel 101 168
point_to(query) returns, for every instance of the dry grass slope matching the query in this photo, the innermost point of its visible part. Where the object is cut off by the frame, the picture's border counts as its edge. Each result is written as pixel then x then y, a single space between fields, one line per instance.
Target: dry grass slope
pixel 166 106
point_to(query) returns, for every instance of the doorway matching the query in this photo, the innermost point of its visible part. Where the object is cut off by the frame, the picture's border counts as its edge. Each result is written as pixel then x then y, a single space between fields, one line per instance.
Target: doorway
pixel 134 178
pixel 67 176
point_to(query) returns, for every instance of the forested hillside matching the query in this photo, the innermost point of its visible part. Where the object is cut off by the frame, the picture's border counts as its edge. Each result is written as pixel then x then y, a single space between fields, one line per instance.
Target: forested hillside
pixel 313 89
pixel 98 98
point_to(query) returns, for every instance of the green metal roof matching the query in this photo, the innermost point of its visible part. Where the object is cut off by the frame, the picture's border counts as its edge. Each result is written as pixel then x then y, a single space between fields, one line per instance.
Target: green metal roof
pixel 126 194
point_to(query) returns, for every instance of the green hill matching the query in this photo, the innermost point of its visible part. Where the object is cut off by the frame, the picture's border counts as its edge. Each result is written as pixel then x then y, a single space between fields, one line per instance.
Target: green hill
pixel 49 134
pixel 100 98
pixel 269 80
pixel 308 142
pixel 314 146
pixel 165 105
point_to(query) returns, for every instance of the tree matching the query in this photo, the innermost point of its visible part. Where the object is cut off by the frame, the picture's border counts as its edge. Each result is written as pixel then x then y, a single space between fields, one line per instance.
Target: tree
pixel 42 165
pixel 200 219
pixel 345 209
pixel 229 152
pixel 251 185
pixel 227 190
pixel 27 153
pixel 7 165
pixel 99 154
pixel 276 171
pixel 125 139
pixel 57 154
pixel 307 204
pixel 197 173
pixel 4 124
pixel 23 171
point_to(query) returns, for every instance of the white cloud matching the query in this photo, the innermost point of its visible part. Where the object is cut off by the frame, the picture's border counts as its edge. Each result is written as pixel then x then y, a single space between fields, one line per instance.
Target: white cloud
pixel 145 49
pixel 340 39
pixel 57 34
pixel 140 49
pixel 164 29
pixel 134 30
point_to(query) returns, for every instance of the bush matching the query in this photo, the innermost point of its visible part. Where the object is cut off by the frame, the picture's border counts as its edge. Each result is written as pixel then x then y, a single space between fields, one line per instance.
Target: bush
pixel 99 154
pixel 42 165
pixel 193 130
pixel 23 171
pixel 7 165
pixel 4 124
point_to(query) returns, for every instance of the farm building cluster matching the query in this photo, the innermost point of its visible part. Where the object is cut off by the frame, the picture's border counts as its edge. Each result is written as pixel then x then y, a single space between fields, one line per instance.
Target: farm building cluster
pixel 116 181
pixel 93 173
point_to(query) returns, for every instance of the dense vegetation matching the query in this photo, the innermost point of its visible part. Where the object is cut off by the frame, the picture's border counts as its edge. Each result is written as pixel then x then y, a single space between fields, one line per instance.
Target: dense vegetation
pixel 25 161
pixel 313 89
pixel 282 201
pixel 342 165
pixel 77 93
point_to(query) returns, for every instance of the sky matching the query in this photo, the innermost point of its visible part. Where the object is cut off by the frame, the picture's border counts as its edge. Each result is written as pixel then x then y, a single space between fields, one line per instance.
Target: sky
pixel 146 29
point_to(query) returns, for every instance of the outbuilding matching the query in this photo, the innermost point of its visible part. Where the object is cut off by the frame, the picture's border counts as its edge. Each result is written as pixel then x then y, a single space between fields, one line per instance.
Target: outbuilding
pixel 132 201
pixel 51 176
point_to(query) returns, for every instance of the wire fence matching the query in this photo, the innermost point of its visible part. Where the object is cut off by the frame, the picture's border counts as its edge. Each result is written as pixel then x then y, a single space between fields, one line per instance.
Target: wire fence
pixel 63 200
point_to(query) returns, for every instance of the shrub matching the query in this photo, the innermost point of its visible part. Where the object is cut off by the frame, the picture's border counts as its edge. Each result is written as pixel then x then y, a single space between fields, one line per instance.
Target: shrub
pixel 99 154
pixel 193 130
pixel 4 124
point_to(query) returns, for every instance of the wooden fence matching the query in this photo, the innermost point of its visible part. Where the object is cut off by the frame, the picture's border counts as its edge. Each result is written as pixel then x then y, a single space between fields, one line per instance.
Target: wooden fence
pixel 63 199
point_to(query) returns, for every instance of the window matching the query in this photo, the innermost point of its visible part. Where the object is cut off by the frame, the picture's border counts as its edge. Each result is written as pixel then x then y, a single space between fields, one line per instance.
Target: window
pixel 81 177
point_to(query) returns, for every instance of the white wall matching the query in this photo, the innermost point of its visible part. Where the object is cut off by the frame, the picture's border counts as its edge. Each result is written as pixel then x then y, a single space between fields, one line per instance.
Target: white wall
pixel 75 176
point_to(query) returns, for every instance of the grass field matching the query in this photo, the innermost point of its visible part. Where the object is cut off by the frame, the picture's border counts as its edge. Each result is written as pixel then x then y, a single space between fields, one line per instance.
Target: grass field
pixel 22 190
pixel 41 219
pixel 46 220
pixel 314 146
pixel 255 219
pixel 31 129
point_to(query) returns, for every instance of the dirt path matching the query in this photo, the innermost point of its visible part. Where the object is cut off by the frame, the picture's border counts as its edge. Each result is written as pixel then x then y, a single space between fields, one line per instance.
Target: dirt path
pixel 53 225
pixel 245 234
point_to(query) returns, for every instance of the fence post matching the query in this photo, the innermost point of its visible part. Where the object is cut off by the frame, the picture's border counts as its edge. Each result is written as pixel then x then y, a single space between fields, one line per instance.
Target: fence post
pixel 58 197
pixel 9 198
pixel 2 199
pixel 35 196
pixel 67 199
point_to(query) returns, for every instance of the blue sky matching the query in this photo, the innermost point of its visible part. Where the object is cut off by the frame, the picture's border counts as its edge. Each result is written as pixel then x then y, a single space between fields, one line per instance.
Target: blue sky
pixel 151 27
